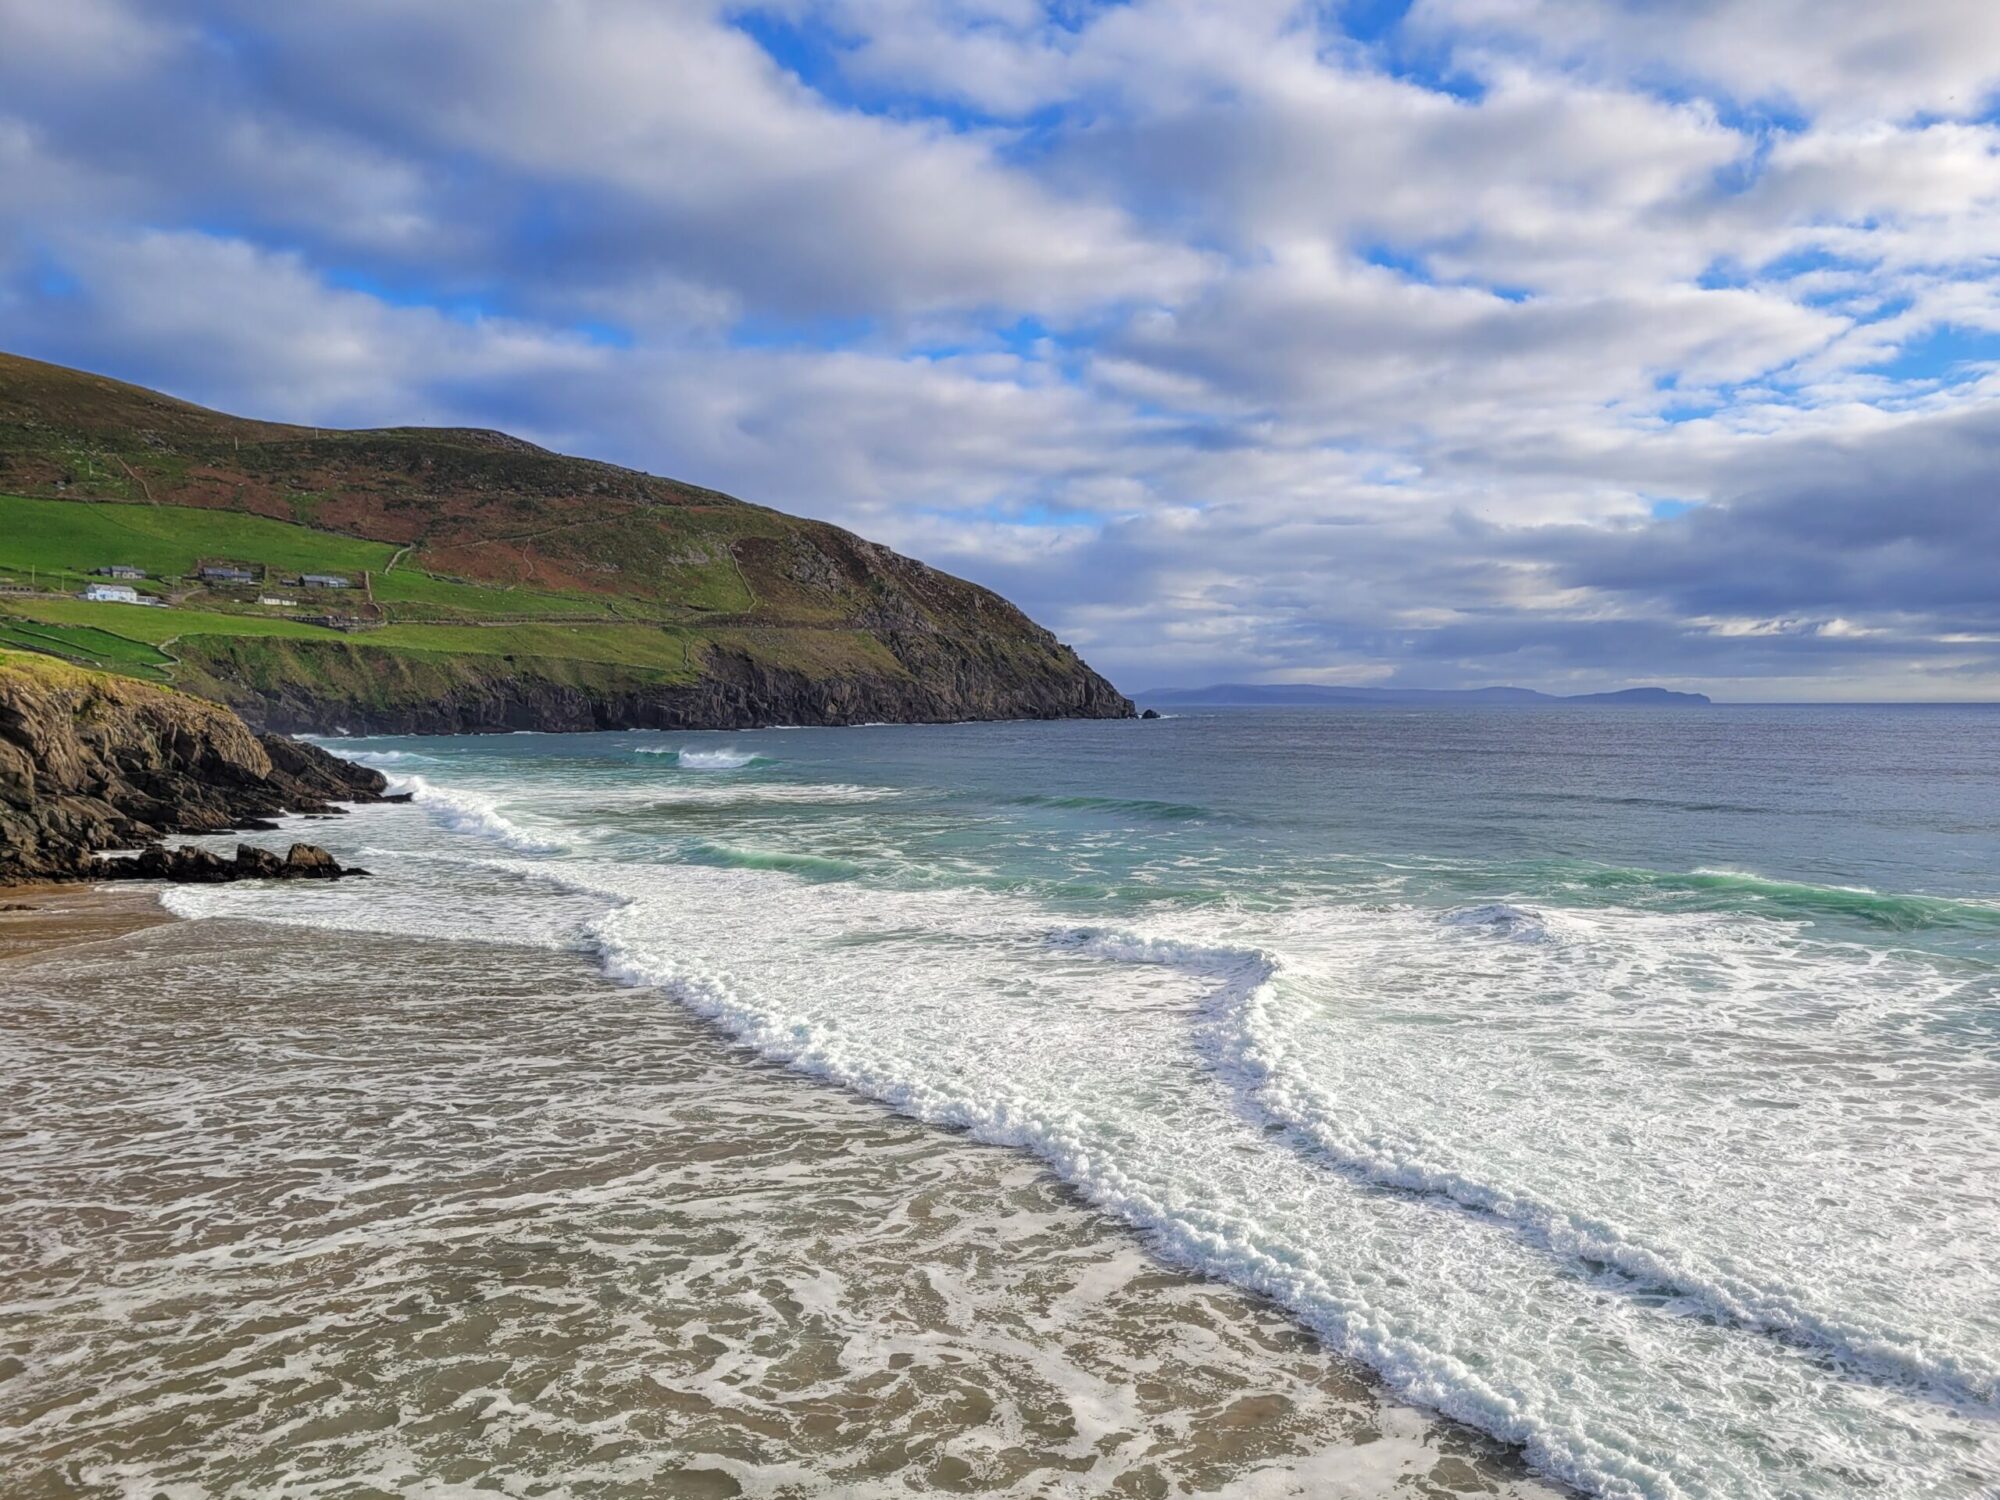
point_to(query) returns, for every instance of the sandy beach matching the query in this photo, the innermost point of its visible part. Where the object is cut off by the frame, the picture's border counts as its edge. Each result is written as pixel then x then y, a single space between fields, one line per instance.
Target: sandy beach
pixel 35 918
pixel 312 1214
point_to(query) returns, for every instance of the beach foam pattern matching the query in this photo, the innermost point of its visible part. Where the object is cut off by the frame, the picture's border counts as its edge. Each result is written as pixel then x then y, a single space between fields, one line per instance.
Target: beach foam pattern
pixel 1100 1052
pixel 1679 1180
pixel 457 1220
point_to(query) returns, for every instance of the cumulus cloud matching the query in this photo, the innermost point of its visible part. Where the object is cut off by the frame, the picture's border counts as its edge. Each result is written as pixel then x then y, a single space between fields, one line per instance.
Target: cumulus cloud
pixel 1831 59
pixel 637 135
pixel 1558 343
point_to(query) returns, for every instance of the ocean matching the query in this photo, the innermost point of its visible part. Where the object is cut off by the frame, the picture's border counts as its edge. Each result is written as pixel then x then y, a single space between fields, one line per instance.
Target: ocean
pixel 1621 1084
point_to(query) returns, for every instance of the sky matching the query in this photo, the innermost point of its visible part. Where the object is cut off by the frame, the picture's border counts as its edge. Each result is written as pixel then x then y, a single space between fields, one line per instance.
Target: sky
pixel 1564 343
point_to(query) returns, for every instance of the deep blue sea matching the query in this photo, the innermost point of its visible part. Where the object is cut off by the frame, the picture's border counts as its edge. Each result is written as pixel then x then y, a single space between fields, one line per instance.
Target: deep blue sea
pixel 1623 1082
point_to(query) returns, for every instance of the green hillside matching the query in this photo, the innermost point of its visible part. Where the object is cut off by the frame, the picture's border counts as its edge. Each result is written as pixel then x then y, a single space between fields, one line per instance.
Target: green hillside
pixel 491 583
pixel 58 542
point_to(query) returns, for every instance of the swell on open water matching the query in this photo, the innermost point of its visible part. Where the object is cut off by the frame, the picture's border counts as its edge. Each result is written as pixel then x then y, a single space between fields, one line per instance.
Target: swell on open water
pixel 1623 1083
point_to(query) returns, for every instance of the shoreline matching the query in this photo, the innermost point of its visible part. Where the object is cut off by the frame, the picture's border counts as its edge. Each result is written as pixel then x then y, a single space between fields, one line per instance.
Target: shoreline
pixel 836 908
pixel 38 917
pixel 1284 1414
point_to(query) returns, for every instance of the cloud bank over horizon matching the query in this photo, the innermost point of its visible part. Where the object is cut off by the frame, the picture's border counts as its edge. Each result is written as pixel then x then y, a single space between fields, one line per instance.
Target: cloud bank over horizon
pixel 1564 343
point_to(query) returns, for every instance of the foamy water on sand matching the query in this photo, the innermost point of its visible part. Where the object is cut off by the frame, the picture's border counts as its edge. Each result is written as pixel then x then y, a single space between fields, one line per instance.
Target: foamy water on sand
pixel 1620 1084
pixel 302 1213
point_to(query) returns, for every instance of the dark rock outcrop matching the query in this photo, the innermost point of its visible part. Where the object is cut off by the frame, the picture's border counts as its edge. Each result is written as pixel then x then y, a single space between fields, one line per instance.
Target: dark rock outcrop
pixel 736 691
pixel 91 762
pixel 189 865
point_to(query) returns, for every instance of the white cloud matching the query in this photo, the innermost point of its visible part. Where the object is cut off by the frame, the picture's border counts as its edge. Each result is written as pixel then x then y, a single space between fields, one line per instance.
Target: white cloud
pixel 1834 59
pixel 673 140
pixel 48 43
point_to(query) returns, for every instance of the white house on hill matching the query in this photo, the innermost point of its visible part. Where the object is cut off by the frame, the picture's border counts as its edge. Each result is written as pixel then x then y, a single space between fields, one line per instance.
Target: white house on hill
pixel 111 593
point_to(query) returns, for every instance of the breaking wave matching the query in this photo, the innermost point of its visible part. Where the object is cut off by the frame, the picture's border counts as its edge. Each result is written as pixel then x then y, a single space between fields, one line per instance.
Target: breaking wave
pixel 383 759
pixel 810 866
pixel 465 811
pixel 1628 1166
pixel 709 760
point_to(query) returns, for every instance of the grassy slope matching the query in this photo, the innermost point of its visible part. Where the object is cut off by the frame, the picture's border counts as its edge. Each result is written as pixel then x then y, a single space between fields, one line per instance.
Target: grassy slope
pixel 88 646
pixel 474 506
pixel 475 545
pixel 58 542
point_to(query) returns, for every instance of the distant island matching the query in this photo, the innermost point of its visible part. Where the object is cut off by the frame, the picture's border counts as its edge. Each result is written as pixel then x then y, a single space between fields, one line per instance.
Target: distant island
pixel 414 580
pixel 1308 695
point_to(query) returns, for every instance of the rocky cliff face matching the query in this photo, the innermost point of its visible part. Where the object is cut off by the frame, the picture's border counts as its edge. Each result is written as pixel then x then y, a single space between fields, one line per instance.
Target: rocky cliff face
pixel 89 762
pixel 317 689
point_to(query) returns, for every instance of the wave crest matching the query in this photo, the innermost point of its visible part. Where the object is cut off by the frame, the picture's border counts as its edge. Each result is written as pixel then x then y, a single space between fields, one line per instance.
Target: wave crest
pixel 708 760
pixel 464 811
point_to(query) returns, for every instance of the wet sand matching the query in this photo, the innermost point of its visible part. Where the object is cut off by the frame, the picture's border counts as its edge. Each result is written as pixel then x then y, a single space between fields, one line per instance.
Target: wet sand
pixel 295 1213
pixel 34 918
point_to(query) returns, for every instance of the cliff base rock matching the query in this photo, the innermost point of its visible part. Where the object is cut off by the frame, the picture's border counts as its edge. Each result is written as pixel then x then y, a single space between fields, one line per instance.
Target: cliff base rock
pixel 190 866
pixel 91 762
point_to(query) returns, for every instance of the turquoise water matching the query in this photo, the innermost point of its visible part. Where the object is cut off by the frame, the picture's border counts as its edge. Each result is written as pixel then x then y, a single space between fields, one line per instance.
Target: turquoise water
pixel 1621 1082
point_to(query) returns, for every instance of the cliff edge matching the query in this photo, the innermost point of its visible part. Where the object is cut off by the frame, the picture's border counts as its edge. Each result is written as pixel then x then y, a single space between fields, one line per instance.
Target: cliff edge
pixel 91 762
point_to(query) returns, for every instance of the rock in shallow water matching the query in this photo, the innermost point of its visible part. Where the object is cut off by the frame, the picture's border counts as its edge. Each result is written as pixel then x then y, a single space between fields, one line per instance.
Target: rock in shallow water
pixel 310 862
pixel 189 865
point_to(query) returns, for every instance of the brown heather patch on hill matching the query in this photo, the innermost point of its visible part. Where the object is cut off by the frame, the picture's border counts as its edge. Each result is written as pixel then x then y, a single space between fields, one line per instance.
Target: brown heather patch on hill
pixel 68 434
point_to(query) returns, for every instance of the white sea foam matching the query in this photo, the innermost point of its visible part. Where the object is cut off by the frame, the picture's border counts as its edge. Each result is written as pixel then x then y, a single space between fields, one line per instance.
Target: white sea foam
pixel 938 1005
pixel 1692 1205
pixel 1299 1062
pixel 382 759
pixel 465 811
pixel 705 760
pixel 299 1162
pixel 749 794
